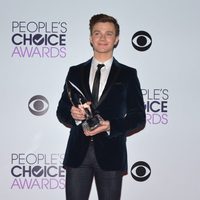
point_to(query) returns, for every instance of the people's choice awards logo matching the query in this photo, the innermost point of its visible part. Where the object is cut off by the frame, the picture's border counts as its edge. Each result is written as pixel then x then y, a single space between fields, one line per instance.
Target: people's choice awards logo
pixel 156 105
pixel 37 171
pixel 38 39
pixel 141 41
pixel 38 105
pixel 140 171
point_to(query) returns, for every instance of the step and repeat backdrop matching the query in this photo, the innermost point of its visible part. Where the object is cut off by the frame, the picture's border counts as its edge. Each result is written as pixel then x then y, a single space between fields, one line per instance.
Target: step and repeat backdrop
pixel 40 40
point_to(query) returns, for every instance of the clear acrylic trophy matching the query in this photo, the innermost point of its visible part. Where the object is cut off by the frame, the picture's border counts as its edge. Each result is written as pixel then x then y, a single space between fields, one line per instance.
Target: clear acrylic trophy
pixel 77 97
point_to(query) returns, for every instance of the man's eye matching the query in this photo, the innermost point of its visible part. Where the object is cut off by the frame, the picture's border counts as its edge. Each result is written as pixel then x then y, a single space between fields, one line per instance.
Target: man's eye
pixel 109 34
pixel 96 33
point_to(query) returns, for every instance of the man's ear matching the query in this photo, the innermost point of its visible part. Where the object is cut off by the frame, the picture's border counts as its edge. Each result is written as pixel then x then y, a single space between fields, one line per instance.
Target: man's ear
pixel 116 42
pixel 91 41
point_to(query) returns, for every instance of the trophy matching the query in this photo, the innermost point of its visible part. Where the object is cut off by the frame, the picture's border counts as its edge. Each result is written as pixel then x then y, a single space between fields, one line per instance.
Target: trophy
pixel 77 97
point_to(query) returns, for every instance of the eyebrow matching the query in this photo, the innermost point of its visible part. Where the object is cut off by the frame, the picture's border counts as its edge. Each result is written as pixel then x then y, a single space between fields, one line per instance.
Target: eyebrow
pixel 100 31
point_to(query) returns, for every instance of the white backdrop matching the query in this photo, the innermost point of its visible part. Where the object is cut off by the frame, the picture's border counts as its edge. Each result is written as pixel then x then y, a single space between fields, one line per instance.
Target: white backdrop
pixel 32 145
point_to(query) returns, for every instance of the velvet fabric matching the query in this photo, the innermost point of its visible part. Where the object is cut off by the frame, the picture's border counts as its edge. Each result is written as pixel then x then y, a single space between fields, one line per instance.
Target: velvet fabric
pixel 121 103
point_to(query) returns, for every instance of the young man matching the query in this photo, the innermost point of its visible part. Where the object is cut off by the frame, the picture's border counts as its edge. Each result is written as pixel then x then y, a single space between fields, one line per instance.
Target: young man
pixel 101 152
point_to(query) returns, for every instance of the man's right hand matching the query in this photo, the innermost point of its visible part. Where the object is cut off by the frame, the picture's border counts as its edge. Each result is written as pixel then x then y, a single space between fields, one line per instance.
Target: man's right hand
pixel 78 113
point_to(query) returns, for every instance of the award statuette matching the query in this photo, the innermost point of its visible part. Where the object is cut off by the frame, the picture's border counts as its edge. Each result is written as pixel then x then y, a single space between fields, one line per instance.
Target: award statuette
pixel 76 97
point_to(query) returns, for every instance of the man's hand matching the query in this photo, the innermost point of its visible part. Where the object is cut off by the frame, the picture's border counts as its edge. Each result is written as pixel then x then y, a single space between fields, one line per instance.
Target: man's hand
pixel 78 113
pixel 104 126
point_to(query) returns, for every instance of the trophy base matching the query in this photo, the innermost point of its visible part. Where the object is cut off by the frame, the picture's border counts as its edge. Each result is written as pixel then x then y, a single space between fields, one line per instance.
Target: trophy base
pixel 92 123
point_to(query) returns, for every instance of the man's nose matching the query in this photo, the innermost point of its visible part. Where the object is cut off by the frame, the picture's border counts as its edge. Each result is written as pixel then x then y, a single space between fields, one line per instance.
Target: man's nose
pixel 103 36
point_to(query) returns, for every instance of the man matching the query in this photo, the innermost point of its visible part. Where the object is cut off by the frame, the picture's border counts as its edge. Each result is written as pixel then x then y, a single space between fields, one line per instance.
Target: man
pixel 101 152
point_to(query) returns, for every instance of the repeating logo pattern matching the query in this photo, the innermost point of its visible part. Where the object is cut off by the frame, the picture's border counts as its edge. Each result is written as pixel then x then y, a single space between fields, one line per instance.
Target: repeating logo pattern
pixel 140 171
pixel 37 171
pixel 38 39
pixel 141 41
pixel 156 105
pixel 38 105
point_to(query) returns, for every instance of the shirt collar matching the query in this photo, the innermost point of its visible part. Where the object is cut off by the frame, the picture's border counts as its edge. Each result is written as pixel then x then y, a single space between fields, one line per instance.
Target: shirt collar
pixel 107 63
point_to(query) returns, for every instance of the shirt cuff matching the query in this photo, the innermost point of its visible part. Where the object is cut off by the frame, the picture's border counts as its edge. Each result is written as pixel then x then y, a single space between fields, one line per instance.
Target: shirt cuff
pixel 108 132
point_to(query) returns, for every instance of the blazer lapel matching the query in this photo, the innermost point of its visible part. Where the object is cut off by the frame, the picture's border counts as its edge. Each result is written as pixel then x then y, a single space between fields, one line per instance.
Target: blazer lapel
pixel 85 72
pixel 114 72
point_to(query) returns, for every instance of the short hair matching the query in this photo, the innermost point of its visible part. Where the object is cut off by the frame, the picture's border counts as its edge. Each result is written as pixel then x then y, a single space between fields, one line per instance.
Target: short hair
pixel 103 18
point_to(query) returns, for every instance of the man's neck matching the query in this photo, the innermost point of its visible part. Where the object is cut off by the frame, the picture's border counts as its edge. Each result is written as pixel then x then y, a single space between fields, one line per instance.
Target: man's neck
pixel 102 57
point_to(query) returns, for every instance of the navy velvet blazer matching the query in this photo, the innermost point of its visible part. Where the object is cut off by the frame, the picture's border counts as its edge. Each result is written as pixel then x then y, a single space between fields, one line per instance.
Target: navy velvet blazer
pixel 121 103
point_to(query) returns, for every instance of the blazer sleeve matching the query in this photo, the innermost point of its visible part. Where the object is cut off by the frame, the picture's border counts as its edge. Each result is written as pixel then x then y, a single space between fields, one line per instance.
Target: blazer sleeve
pixel 64 107
pixel 135 118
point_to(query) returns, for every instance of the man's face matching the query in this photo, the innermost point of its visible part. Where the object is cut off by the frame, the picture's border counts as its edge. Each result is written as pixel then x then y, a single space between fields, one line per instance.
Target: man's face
pixel 103 38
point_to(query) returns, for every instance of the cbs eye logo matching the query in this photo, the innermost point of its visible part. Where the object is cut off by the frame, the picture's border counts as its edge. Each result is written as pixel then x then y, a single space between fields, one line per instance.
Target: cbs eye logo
pixel 141 41
pixel 38 105
pixel 140 171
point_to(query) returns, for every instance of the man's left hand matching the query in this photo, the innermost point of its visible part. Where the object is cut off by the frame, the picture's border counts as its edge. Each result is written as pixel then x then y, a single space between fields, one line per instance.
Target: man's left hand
pixel 104 126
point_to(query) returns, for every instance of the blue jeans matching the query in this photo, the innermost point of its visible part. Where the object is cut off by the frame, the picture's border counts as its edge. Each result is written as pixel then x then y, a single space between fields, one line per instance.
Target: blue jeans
pixel 79 180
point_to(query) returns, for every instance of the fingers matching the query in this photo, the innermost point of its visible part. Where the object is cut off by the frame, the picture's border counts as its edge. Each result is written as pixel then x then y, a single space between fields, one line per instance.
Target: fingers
pixel 85 106
pixel 104 126
pixel 77 113
pixel 96 131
